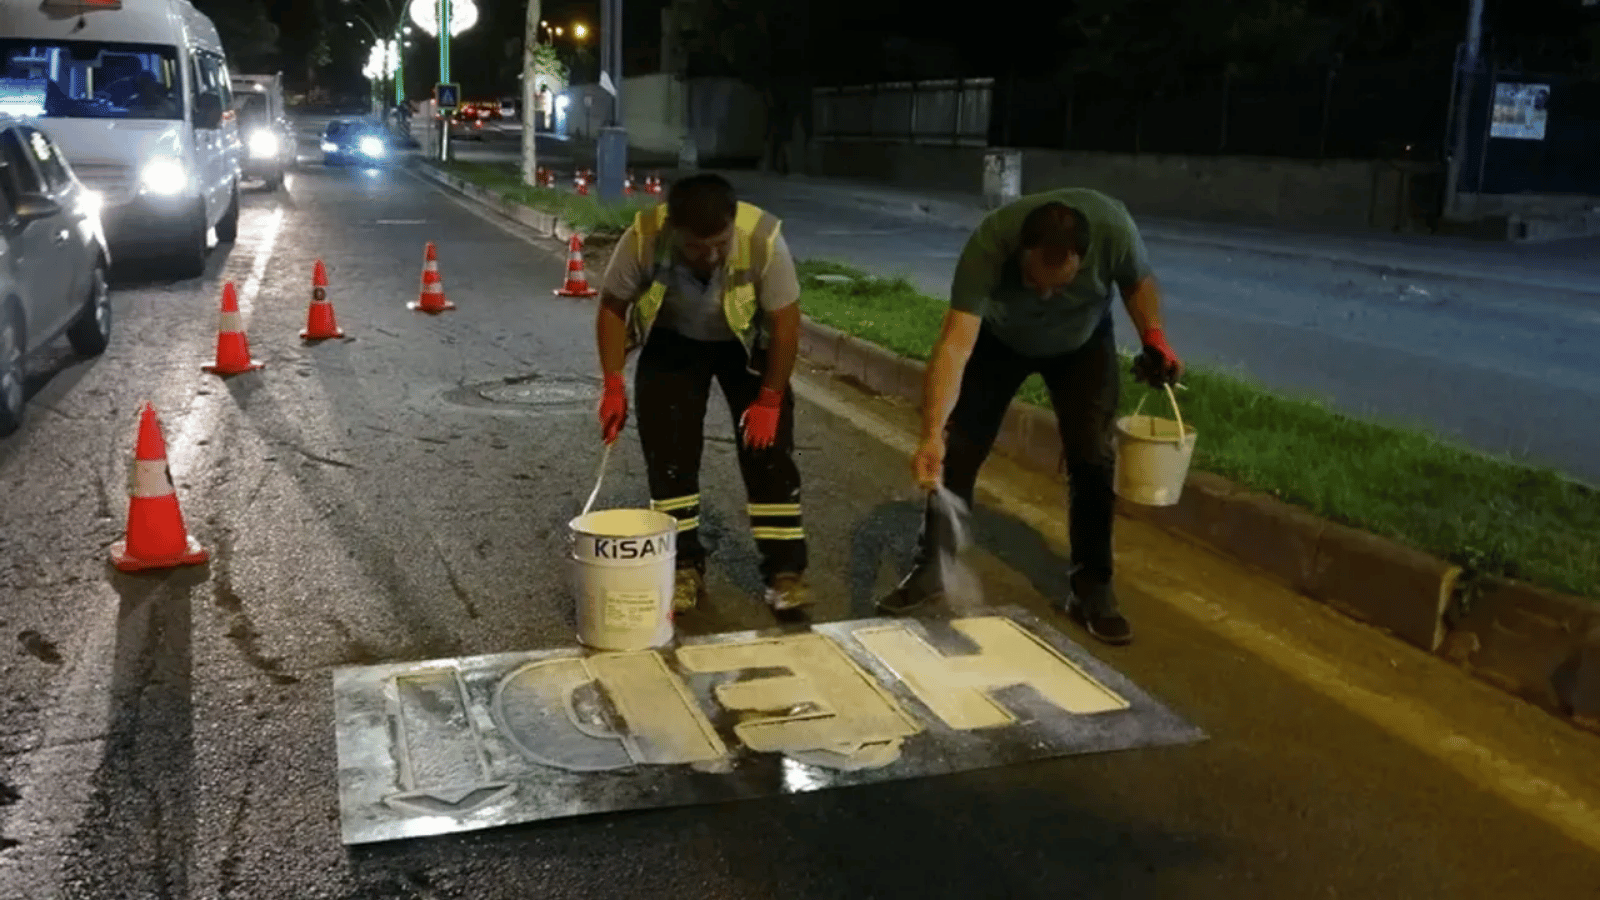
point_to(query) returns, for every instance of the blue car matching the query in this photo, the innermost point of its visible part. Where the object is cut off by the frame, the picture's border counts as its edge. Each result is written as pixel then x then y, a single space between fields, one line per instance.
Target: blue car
pixel 347 143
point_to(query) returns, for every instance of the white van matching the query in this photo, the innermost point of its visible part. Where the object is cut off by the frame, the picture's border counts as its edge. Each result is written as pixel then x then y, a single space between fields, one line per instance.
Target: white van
pixel 136 93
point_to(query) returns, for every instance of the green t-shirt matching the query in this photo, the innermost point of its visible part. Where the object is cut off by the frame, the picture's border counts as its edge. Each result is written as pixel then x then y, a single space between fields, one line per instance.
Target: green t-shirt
pixel 988 279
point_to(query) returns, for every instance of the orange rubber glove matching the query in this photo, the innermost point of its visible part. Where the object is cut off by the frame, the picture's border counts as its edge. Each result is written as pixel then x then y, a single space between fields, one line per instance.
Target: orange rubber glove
pixel 613 408
pixel 760 421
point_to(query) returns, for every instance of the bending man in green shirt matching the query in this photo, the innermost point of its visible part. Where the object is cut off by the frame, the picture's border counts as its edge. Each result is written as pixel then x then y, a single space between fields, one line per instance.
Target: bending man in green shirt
pixel 1032 294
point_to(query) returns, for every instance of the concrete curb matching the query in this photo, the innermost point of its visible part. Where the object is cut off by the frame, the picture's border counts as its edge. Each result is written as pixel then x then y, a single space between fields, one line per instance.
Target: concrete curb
pixel 1538 645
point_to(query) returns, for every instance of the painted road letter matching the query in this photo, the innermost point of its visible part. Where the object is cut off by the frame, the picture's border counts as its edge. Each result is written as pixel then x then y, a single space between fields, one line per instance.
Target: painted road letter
pixel 957 688
pixel 825 703
pixel 555 712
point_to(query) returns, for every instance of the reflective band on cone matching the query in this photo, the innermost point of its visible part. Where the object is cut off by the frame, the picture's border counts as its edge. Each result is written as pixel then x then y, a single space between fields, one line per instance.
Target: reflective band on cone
pixel 155 537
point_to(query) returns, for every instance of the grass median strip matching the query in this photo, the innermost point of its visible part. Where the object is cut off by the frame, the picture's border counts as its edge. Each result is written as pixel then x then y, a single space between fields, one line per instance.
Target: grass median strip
pixel 585 213
pixel 1493 516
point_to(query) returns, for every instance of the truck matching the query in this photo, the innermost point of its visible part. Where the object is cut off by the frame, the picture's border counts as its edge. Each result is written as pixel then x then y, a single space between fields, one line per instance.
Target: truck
pixel 137 95
pixel 271 146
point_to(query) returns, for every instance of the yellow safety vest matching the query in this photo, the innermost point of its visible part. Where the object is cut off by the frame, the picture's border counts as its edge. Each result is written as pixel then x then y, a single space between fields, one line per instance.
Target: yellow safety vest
pixel 755 234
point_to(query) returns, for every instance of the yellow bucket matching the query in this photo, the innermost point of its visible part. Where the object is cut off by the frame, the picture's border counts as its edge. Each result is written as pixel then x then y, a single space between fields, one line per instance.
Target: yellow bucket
pixel 1153 456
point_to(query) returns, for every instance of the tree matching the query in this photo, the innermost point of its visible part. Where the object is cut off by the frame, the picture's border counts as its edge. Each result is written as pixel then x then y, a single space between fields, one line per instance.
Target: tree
pixel 247 33
pixel 763 43
pixel 1159 44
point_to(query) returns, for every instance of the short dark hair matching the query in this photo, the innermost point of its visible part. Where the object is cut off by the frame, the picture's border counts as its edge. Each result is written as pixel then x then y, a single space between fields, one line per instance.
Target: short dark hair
pixel 1056 231
pixel 703 205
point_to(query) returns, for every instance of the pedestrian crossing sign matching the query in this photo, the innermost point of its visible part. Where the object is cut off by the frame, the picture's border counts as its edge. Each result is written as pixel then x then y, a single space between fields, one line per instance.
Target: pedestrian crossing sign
pixel 447 96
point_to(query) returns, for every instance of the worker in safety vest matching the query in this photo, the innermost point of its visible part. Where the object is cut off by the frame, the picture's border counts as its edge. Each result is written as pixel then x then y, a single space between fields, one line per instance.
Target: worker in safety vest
pixel 705 286
pixel 1032 294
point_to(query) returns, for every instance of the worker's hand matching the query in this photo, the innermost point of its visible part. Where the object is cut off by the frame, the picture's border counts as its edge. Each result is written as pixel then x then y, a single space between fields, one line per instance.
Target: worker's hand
pixel 1157 366
pixel 927 466
pixel 760 421
pixel 613 408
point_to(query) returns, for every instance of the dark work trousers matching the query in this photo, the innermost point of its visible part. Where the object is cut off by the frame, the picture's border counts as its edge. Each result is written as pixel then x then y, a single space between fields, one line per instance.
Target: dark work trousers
pixel 671 387
pixel 1084 387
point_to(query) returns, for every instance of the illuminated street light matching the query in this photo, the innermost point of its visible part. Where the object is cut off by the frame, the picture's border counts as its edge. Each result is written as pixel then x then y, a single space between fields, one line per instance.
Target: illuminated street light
pixel 463 15
pixel 579 30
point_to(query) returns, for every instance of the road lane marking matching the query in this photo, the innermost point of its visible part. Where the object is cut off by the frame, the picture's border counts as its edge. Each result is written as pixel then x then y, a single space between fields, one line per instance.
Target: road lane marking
pixel 1540 794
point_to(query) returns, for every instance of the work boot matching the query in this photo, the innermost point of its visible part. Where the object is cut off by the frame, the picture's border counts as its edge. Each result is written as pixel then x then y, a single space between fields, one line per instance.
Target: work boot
pixel 787 591
pixel 921 585
pixel 688 589
pixel 1093 605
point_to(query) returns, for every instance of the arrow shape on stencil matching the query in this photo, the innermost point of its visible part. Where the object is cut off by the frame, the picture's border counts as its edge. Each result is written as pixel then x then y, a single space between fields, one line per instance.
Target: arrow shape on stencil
pixel 450 801
pixel 438 750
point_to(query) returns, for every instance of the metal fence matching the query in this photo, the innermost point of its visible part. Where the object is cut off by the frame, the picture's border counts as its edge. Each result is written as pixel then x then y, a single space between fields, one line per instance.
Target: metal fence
pixel 1354 111
pixel 950 112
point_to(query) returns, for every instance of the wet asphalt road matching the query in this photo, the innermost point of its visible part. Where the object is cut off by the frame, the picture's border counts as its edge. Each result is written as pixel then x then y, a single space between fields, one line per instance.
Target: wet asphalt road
pixel 170 735
pixel 1498 365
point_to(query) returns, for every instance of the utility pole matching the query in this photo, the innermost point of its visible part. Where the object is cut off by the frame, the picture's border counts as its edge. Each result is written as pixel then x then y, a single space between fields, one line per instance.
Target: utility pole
pixel 611 151
pixel 1466 77
pixel 530 95
pixel 444 74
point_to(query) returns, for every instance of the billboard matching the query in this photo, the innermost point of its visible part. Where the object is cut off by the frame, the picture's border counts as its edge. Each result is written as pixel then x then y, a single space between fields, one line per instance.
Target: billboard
pixel 1520 111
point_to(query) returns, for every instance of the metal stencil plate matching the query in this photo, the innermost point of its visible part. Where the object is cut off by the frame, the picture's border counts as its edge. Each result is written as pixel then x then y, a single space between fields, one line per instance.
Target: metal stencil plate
pixel 463 744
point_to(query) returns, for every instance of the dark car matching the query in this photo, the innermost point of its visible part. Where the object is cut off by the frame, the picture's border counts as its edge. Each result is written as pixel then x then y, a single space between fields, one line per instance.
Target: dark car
pixel 350 143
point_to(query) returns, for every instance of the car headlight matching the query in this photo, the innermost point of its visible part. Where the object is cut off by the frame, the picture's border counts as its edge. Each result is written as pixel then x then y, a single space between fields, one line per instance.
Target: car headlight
pixel 263 144
pixel 372 147
pixel 330 147
pixel 91 202
pixel 164 176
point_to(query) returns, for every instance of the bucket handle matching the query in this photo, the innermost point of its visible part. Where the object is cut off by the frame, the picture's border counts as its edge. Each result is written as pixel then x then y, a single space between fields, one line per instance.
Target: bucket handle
pixel 605 456
pixel 1176 413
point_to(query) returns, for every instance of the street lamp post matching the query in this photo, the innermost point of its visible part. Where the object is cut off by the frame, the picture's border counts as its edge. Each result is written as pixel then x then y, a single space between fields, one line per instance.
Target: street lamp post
pixel 395 33
pixel 1466 77
pixel 444 19
pixel 611 151
pixel 530 94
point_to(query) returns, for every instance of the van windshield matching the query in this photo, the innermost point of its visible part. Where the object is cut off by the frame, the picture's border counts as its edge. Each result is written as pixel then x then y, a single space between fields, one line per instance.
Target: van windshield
pixel 89 80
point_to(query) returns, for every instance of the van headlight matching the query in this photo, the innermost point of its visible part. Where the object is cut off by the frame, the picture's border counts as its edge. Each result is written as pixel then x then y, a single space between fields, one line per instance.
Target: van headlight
pixel 371 147
pixel 330 147
pixel 263 144
pixel 166 177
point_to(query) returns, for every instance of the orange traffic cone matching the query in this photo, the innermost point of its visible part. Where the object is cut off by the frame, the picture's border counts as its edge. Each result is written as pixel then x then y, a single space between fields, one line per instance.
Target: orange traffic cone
pixel 432 299
pixel 156 538
pixel 580 184
pixel 320 324
pixel 233 348
pixel 652 185
pixel 577 282
pixel 627 184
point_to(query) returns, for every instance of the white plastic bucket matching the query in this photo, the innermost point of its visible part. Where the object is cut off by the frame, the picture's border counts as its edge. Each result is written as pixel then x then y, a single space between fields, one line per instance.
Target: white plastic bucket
pixel 623 565
pixel 1153 456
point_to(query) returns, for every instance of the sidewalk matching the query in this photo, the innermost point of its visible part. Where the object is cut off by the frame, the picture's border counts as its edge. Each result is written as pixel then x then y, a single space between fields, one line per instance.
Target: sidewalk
pixel 1570 266
pixel 1566 266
